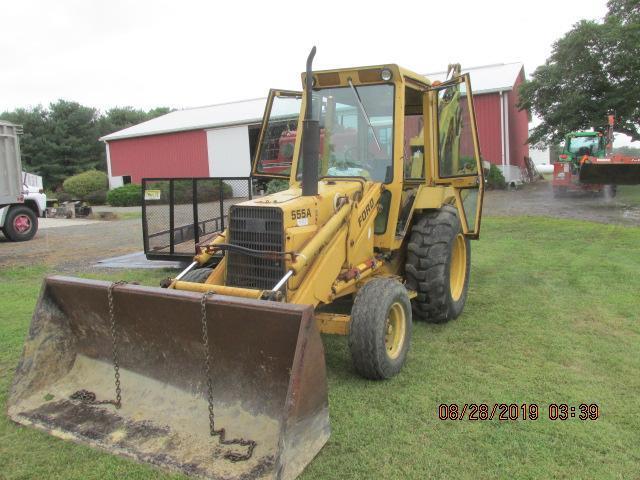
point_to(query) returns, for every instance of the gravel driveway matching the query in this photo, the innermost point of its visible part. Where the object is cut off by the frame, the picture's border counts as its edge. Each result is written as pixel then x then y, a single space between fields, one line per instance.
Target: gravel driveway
pixel 74 248
pixel 537 199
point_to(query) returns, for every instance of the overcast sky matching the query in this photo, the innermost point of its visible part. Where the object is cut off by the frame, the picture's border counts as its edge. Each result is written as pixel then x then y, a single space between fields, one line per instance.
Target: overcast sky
pixel 192 53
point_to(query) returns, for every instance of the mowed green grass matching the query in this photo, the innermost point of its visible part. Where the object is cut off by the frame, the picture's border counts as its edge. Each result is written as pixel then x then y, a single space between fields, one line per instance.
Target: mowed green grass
pixel 629 195
pixel 552 317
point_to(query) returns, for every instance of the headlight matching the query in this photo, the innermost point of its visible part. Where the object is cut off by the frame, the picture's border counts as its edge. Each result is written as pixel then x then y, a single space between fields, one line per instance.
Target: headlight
pixel 386 74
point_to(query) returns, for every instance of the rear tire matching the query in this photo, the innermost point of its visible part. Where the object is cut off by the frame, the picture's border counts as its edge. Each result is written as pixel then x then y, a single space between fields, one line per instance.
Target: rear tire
pixel 20 224
pixel 198 275
pixel 380 331
pixel 438 264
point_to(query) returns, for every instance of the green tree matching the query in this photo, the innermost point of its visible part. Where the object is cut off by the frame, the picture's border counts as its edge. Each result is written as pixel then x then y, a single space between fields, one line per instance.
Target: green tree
pixel 592 70
pixel 74 146
pixel 58 141
pixel 63 139
pixel 34 143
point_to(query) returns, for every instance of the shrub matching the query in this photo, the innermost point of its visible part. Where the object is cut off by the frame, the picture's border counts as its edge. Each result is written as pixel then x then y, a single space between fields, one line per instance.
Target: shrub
pixel 62 197
pixel 98 197
pixel 208 191
pixel 83 184
pixel 277 185
pixel 495 179
pixel 126 196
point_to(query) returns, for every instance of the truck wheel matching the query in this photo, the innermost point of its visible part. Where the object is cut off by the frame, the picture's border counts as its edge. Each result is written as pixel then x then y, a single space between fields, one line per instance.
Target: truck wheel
pixel 437 268
pixel 20 224
pixel 197 275
pixel 380 330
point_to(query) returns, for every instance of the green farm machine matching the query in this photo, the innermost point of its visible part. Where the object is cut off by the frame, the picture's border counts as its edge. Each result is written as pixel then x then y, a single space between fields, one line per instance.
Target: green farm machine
pixel 587 164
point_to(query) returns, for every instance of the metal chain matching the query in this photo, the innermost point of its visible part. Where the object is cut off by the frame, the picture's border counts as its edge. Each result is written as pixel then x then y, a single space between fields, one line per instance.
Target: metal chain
pixel 86 396
pixel 220 433
pixel 114 342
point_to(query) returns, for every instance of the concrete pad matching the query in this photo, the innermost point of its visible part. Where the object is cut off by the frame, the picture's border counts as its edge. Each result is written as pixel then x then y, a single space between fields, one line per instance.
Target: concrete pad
pixel 44 223
pixel 138 260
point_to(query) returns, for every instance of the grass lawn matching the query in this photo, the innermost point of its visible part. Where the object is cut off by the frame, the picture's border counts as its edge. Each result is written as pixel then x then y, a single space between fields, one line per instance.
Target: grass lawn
pixel 629 194
pixel 552 317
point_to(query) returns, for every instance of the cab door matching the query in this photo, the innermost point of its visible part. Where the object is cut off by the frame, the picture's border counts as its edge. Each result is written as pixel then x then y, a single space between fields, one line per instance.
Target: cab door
pixel 458 161
pixel 277 141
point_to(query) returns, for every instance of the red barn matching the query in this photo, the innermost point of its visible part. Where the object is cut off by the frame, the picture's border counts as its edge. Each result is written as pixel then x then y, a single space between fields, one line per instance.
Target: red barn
pixel 211 141
pixel 219 140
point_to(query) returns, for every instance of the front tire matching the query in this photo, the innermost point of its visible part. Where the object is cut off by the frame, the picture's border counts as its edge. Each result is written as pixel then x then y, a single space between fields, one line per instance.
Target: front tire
pixel 380 331
pixel 438 264
pixel 21 224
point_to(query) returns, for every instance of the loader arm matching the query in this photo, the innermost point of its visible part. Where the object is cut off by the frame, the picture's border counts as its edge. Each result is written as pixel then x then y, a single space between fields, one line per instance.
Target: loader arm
pixel 341 244
pixel 339 249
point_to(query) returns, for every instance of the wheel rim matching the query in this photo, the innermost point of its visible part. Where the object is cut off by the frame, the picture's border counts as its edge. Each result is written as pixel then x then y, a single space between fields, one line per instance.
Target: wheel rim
pixel 395 330
pixel 22 224
pixel 458 267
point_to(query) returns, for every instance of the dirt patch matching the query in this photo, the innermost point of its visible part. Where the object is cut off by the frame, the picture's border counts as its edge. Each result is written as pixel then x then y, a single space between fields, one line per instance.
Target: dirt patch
pixel 537 199
pixel 74 248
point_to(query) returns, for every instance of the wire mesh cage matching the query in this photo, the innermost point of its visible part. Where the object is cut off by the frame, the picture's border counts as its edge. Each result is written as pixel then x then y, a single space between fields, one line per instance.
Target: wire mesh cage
pixel 179 213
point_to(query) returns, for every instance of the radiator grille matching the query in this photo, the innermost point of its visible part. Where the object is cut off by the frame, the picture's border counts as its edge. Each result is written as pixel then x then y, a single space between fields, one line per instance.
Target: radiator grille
pixel 258 228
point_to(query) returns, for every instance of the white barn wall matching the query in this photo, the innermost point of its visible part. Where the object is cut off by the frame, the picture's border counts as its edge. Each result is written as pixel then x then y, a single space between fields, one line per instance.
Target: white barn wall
pixel 228 151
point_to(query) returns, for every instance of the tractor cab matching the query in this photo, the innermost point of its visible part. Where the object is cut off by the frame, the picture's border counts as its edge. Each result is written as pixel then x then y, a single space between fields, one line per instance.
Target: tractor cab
pixel 579 144
pixel 591 145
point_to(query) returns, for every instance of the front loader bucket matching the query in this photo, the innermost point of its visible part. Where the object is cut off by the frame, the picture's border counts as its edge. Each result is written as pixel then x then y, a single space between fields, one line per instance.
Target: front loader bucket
pixel 610 173
pixel 267 372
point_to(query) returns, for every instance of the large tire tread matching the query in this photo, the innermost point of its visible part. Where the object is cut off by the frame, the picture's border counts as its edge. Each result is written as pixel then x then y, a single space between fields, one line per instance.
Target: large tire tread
pixel 9 230
pixel 427 265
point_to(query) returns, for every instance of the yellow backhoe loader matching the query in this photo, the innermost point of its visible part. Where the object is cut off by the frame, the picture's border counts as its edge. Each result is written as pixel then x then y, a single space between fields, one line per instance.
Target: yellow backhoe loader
pixel 221 374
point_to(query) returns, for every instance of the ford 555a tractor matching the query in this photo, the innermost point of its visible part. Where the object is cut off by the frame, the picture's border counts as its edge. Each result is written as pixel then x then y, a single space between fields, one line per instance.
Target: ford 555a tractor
pixel 222 373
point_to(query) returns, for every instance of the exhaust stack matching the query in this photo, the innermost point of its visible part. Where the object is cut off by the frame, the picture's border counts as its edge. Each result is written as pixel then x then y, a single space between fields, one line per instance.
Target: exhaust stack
pixel 310 137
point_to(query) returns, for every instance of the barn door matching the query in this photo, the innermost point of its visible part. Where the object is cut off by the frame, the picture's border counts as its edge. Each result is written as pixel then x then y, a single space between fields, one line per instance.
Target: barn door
pixel 277 141
pixel 459 164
